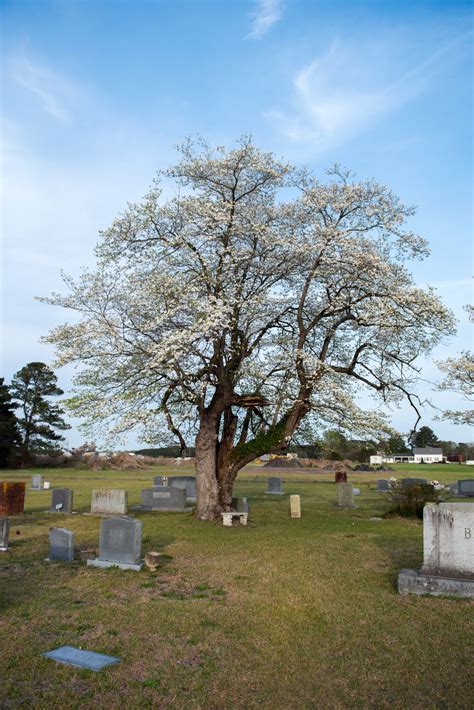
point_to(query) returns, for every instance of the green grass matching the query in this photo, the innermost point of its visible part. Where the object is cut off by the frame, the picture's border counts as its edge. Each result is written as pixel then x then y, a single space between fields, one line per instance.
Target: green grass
pixel 280 614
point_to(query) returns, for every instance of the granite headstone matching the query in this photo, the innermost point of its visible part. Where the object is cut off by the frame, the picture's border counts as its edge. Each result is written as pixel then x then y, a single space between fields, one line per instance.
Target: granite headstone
pixel 120 544
pixel 164 498
pixel 275 487
pixel 4 534
pixel 109 502
pixel 62 500
pixel 466 487
pixel 345 495
pixel 61 545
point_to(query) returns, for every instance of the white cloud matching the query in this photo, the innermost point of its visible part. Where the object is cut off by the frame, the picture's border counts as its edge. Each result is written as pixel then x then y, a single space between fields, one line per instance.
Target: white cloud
pixel 352 86
pixel 265 15
pixel 56 95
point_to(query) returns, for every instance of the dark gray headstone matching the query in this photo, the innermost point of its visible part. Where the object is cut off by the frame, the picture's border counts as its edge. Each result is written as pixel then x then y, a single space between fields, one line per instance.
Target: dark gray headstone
pixel 163 498
pixel 241 505
pixel 121 540
pixel 275 486
pixel 4 534
pixel 61 545
pixel 36 482
pixel 413 481
pixel 383 485
pixel 186 482
pixel 62 500
pixel 466 487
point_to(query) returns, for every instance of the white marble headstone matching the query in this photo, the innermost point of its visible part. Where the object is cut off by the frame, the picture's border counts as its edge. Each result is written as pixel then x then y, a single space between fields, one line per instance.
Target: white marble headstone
pixel 448 539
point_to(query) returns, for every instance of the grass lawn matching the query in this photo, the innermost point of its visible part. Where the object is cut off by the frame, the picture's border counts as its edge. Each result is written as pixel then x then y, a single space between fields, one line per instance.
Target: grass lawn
pixel 281 614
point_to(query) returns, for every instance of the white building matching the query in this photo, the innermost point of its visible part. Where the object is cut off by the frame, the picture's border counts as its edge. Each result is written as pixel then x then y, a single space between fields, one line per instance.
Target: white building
pixel 428 454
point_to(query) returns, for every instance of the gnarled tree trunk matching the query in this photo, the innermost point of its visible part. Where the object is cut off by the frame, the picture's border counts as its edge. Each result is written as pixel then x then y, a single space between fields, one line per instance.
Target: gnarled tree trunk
pixel 219 459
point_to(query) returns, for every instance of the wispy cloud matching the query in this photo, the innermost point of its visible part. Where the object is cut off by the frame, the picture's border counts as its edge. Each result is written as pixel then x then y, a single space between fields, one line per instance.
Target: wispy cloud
pixel 57 95
pixel 348 89
pixel 264 16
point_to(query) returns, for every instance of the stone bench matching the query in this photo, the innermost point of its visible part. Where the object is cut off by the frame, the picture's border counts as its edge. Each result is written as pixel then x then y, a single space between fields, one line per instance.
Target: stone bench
pixel 227 518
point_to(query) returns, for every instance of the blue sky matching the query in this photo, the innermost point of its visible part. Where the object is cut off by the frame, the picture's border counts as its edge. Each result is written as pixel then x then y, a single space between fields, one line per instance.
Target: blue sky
pixel 96 94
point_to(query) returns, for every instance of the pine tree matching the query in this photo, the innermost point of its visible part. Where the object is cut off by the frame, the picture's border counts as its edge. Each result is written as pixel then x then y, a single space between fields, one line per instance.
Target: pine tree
pixel 39 418
pixel 10 439
pixel 423 438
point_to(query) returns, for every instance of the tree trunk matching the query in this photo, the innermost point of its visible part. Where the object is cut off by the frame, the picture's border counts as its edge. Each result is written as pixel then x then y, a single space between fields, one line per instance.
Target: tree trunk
pixel 207 506
pixel 218 462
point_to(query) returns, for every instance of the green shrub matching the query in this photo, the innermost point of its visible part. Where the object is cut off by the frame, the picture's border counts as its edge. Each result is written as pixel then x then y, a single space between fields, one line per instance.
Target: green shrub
pixel 409 500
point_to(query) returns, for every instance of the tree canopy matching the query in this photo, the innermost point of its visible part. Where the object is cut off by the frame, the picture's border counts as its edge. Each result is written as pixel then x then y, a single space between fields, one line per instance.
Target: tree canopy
pixel 255 297
pixel 10 438
pixel 459 377
pixel 32 386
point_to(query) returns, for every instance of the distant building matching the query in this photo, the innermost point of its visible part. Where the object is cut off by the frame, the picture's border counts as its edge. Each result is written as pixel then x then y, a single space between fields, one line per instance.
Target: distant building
pixel 428 454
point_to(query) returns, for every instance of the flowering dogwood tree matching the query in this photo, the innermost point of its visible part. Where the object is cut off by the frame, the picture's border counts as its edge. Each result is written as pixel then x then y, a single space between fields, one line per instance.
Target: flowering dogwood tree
pixel 254 298
pixel 459 377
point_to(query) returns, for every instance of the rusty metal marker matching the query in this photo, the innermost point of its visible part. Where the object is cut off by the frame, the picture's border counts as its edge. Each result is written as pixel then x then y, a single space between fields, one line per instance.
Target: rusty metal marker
pixel 12 497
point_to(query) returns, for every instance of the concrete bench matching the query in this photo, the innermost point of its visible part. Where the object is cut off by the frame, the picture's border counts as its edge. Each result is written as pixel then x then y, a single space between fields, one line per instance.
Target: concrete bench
pixel 227 518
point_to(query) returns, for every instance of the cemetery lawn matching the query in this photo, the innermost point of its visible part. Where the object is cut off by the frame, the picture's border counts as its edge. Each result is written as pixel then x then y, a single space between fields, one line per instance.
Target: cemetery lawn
pixel 281 614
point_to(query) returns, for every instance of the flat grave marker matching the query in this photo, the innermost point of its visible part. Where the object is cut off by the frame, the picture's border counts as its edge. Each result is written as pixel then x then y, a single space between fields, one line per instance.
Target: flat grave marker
pixel 81 658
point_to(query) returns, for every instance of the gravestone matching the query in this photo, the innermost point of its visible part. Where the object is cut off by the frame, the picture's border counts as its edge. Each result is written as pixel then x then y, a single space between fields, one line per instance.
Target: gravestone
pixel 340 477
pixel 345 495
pixel 61 545
pixel 295 506
pixel 241 505
pixel 413 481
pixel 46 485
pixel 81 658
pixel 466 487
pixel 4 534
pixel 275 486
pixel 120 544
pixel 36 483
pixel 383 485
pixel 448 553
pixel 12 497
pixel 109 502
pixel 186 482
pixel 61 500
pixel 356 491
pixel 164 498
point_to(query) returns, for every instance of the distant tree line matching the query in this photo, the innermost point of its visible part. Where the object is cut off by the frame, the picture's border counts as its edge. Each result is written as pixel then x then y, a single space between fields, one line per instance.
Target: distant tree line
pixel 335 446
pixel 29 422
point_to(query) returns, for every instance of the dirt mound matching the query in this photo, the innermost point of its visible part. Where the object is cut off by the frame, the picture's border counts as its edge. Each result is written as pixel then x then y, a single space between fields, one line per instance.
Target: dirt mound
pixel 282 463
